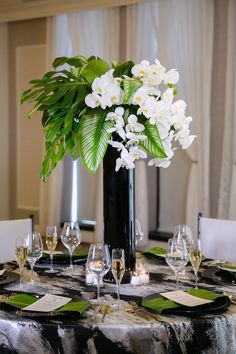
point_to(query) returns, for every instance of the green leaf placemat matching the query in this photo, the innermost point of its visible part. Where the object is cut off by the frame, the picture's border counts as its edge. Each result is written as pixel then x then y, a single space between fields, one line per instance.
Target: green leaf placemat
pixel 228 267
pixel 156 251
pixel 22 300
pixel 159 304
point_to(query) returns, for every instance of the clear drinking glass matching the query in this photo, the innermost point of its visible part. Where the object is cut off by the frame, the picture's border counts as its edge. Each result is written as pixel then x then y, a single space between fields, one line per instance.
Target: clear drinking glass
pixel 184 232
pixel 98 262
pixel 195 255
pixel 71 237
pixel 34 246
pixel 176 256
pixel 20 254
pixel 138 231
pixel 118 267
pixel 51 242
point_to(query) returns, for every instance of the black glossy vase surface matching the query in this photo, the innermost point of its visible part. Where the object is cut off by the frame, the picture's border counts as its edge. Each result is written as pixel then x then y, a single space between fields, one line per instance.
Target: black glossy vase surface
pixel 119 207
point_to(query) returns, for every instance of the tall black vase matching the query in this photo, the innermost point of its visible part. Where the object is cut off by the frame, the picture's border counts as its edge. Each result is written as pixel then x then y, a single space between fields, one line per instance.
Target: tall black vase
pixel 119 207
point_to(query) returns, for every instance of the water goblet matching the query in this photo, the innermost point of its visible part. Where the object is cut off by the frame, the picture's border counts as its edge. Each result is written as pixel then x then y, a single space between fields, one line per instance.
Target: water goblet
pixel 195 255
pixel 20 254
pixel 138 231
pixel 51 242
pixel 118 268
pixel 184 232
pixel 176 256
pixel 98 262
pixel 71 238
pixel 34 251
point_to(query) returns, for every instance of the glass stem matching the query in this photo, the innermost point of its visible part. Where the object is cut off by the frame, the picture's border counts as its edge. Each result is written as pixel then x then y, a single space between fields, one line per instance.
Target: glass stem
pixel 51 262
pixel 32 272
pixel 196 286
pixel 71 264
pixel 98 288
pixel 21 271
pixel 177 280
pixel 118 290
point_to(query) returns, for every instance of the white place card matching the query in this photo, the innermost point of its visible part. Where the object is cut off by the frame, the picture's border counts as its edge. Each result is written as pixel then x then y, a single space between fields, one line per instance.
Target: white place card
pixel 183 298
pixel 1 272
pixel 54 253
pixel 47 303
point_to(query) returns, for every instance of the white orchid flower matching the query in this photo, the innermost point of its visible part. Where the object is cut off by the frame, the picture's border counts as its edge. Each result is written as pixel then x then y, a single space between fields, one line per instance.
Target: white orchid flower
pixel 147 109
pixel 171 77
pixel 135 138
pixel 142 69
pixel 159 162
pixel 180 121
pixel 133 125
pixel 168 96
pixel 140 96
pixel 92 100
pixel 163 129
pixel 119 112
pixel 111 97
pixel 184 138
pixel 116 144
pixel 125 160
pixel 178 107
pixel 137 153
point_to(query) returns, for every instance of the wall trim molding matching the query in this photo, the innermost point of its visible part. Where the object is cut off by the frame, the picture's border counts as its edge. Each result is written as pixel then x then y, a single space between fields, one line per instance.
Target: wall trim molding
pixel 16 10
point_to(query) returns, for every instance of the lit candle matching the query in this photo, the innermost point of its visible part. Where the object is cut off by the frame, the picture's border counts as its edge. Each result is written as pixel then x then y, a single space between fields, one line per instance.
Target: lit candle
pixel 144 278
pixel 135 280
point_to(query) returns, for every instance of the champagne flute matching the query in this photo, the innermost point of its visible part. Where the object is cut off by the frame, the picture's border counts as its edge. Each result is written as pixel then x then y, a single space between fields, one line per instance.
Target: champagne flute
pixel 118 267
pixel 195 255
pixel 184 232
pixel 98 262
pixel 51 242
pixel 71 238
pixel 34 246
pixel 176 256
pixel 20 254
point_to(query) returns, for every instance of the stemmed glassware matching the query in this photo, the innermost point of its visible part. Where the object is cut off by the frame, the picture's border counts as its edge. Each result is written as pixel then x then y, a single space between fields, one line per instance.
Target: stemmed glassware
pixel 176 256
pixel 195 255
pixel 138 231
pixel 98 262
pixel 118 267
pixel 51 242
pixel 184 232
pixel 71 238
pixel 20 254
pixel 34 251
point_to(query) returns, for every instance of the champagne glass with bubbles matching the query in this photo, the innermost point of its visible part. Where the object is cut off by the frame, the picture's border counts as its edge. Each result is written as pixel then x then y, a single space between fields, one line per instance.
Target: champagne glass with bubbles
pixel 51 242
pixel 195 255
pixel 34 246
pixel 118 267
pixel 98 262
pixel 20 254
pixel 71 238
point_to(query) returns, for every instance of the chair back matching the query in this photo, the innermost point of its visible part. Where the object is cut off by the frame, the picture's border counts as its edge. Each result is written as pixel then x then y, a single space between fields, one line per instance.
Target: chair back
pixel 10 230
pixel 218 238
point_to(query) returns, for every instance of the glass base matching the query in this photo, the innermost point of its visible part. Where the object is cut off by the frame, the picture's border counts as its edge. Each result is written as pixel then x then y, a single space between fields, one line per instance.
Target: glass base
pixel 51 271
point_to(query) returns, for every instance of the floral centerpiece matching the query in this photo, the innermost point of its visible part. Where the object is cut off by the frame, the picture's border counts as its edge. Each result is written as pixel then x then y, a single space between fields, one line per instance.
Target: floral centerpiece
pixel 89 105
pixel 117 115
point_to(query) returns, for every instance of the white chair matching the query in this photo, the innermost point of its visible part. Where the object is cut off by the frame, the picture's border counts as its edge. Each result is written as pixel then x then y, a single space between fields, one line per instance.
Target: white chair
pixel 218 238
pixel 10 230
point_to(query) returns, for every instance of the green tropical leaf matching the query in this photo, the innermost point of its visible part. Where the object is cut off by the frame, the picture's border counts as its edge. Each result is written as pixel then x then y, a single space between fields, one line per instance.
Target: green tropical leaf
pixel 76 61
pixel 93 139
pixel 122 68
pixel 153 144
pixel 130 86
pixel 94 68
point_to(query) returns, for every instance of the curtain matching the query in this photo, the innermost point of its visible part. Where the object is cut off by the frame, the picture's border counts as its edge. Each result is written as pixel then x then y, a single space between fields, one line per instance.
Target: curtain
pixel 184 32
pixel 227 199
pixel 140 44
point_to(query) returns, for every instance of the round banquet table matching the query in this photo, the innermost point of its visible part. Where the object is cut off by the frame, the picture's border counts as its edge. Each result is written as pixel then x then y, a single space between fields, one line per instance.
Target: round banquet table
pixel 118 331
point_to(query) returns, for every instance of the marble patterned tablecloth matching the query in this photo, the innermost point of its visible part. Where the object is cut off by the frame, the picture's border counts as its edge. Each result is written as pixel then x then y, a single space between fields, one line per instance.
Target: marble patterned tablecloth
pixel 118 331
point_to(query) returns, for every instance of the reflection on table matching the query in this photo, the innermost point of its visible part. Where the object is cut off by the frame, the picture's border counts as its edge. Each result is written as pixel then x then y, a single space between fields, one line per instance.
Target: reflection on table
pixel 104 329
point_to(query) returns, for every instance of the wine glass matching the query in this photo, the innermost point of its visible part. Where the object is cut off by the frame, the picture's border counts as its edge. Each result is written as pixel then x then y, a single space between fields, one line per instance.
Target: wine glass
pixel 176 256
pixel 118 267
pixel 184 232
pixel 98 262
pixel 71 237
pixel 51 242
pixel 195 255
pixel 138 231
pixel 20 254
pixel 34 251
